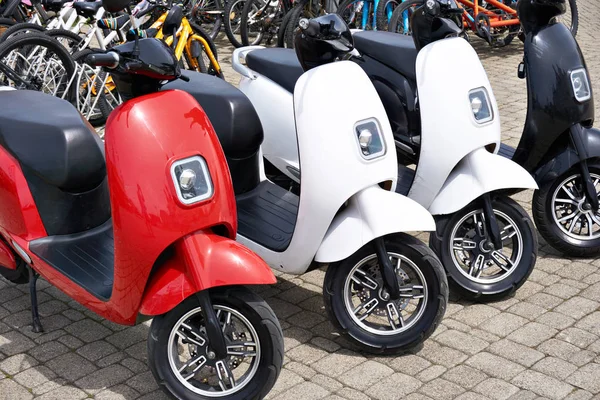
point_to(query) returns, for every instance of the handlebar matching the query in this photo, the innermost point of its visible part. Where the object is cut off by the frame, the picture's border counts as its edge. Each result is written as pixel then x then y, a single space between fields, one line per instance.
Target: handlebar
pixel 109 60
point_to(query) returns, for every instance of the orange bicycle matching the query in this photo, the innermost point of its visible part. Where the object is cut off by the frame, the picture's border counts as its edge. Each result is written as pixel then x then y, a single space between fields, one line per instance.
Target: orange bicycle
pixel 495 21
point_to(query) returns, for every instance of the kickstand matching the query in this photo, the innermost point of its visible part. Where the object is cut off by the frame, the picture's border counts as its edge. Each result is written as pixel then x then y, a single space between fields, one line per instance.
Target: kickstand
pixel 35 316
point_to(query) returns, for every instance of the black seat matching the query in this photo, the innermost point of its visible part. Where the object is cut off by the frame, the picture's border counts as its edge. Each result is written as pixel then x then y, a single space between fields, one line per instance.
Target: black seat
pixel 86 258
pixel 61 158
pixel 235 121
pixel 396 51
pixel 279 65
pixel 87 8
pixel 54 5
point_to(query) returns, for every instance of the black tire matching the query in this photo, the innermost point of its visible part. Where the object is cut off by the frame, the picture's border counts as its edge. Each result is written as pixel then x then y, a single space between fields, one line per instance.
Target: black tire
pixel 265 31
pixel 18 276
pixel 26 43
pixel 344 11
pixel 397 15
pixel 5 23
pixel 258 313
pixel 70 40
pixel 469 288
pixel 203 59
pixel 303 9
pixel 381 13
pixel 435 307
pixel 542 209
pixel 574 17
pixel 102 107
pixel 21 28
pixel 210 22
pixel 282 28
pixel 233 17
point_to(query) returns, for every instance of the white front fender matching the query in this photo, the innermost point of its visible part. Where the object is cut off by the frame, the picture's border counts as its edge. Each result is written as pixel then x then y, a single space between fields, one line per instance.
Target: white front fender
pixel 478 173
pixel 371 213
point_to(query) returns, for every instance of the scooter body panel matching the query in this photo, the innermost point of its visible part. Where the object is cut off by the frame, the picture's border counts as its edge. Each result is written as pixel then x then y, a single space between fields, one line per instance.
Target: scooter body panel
pixel 333 167
pixel 362 221
pixel 276 113
pixel 192 269
pixel 551 54
pixel 478 173
pixel 447 71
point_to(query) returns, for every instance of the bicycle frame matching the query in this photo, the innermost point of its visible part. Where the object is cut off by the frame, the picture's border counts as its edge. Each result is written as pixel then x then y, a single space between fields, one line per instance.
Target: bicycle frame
pixel 495 19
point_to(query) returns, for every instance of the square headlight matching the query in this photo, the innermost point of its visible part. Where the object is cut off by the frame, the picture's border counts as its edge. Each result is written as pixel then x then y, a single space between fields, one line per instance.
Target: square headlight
pixel 369 138
pixel 480 105
pixel 581 85
pixel 192 180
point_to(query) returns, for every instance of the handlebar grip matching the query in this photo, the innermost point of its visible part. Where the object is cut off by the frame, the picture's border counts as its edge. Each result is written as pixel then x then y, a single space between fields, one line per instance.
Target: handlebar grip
pixel 108 60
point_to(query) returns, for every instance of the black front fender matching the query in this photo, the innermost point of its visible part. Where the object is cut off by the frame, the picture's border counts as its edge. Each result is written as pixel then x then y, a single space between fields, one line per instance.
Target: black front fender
pixel 565 156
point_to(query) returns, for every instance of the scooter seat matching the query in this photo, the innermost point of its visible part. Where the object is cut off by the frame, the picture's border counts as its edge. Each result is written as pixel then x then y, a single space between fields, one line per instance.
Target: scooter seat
pixel 279 65
pixel 87 8
pixel 394 50
pixel 49 137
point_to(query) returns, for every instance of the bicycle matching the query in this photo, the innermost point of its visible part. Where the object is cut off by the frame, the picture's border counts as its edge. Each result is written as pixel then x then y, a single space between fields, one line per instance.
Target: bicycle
pixel 261 21
pixel 494 20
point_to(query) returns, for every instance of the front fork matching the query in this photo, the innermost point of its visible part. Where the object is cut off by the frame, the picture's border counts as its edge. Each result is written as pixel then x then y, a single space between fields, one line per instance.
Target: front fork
pixel 216 338
pixel 491 224
pixel 388 273
pixel 589 189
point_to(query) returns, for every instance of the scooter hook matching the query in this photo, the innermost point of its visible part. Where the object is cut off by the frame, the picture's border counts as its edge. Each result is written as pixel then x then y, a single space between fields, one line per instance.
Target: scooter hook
pixel 35 316
pixel 388 274
pixel 491 224
pixel 216 339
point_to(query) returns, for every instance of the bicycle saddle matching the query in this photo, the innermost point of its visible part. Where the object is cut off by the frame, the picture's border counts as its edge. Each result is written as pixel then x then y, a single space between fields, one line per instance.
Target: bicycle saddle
pixel 87 8
pixel 173 20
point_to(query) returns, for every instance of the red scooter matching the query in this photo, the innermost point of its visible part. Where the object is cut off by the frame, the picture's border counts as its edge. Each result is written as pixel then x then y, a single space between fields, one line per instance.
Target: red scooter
pixel 144 230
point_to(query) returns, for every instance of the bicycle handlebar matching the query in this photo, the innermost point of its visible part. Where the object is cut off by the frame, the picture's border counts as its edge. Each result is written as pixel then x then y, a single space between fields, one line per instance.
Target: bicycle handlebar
pixel 108 60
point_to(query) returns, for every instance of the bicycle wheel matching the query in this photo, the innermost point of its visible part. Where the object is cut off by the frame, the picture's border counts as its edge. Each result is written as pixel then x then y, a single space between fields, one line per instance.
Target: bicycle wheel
pixel 281 31
pixel 261 21
pixel 384 11
pixel 93 91
pixel 19 29
pixel 400 20
pixel 571 17
pixel 233 17
pixel 200 53
pixel 358 14
pixel 5 23
pixel 304 9
pixel 209 15
pixel 37 62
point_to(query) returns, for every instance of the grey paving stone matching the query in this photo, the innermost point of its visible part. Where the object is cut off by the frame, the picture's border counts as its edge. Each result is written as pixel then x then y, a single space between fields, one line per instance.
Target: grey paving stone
pixel 96 350
pixel 516 352
pixel 578 337
pixel 532 334
pixel 542 384
pixel 294 337
pixel 365 374
pixel 590 323
pixel 326 383
pixel 104 378
pixel 496 389
pixel 17 363
pixel 555 367
pixel 558 348
pixel 577 307
pixel 35 376
pixel 304 371
pixel 495 366
pixel 431 373
pixel 475 314
pixel 119 392
pixel 527 310
pixel 577 271
pixel 503 324
pixel 465 376
pixel 145 383
pixel 88 330
pixel 71 366
pixel 587 377
pixel 461 341
pixel 64 393
pixel 48 351
pixel 409 364
pixel 545 300
pixel 134 365
pixel 338 363
pixel 555 320
pixel 563 291
pixel 129 337
pixel 13 342
pixel 592 292
pixel 287 379
pixel 471 396
pixel 11 390
pixel 305 390
pixel 352 394
pixel 393 387
pixel 442 355
pixel 441 389
pixel 579 394
pixel 306 353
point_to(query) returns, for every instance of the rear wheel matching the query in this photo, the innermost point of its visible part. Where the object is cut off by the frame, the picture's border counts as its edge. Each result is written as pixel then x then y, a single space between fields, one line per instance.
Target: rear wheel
pixel 358 14
pixel 185 367
pixel 562 216
pixel 364 312
pixel 400 20
pixel 475 268
pixel 233 17
pixel 19 29
pixel 384 11
pixel 5 23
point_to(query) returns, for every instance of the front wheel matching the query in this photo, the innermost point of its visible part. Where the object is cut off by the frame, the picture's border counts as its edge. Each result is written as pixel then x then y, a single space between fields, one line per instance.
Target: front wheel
pixel 185 367
pixel 564 218
pixel 363 311
pixel 475 267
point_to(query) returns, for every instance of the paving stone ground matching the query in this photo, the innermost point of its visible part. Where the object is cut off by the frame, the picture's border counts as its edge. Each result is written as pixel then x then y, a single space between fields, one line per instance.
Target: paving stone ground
pixel 542 343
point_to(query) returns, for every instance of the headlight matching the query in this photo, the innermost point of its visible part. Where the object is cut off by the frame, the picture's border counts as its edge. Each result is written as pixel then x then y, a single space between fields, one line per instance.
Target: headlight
pixel 581 85
pixel 480 105
pixel 192 180
pixel 369 139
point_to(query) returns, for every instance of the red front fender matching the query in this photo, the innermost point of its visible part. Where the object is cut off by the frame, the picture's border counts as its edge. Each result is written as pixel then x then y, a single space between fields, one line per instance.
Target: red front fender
pixel 202 260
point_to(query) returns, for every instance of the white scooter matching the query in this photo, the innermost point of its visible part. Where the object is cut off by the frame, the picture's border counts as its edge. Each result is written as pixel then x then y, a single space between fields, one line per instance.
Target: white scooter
pixel 485 240
pixel 384 289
